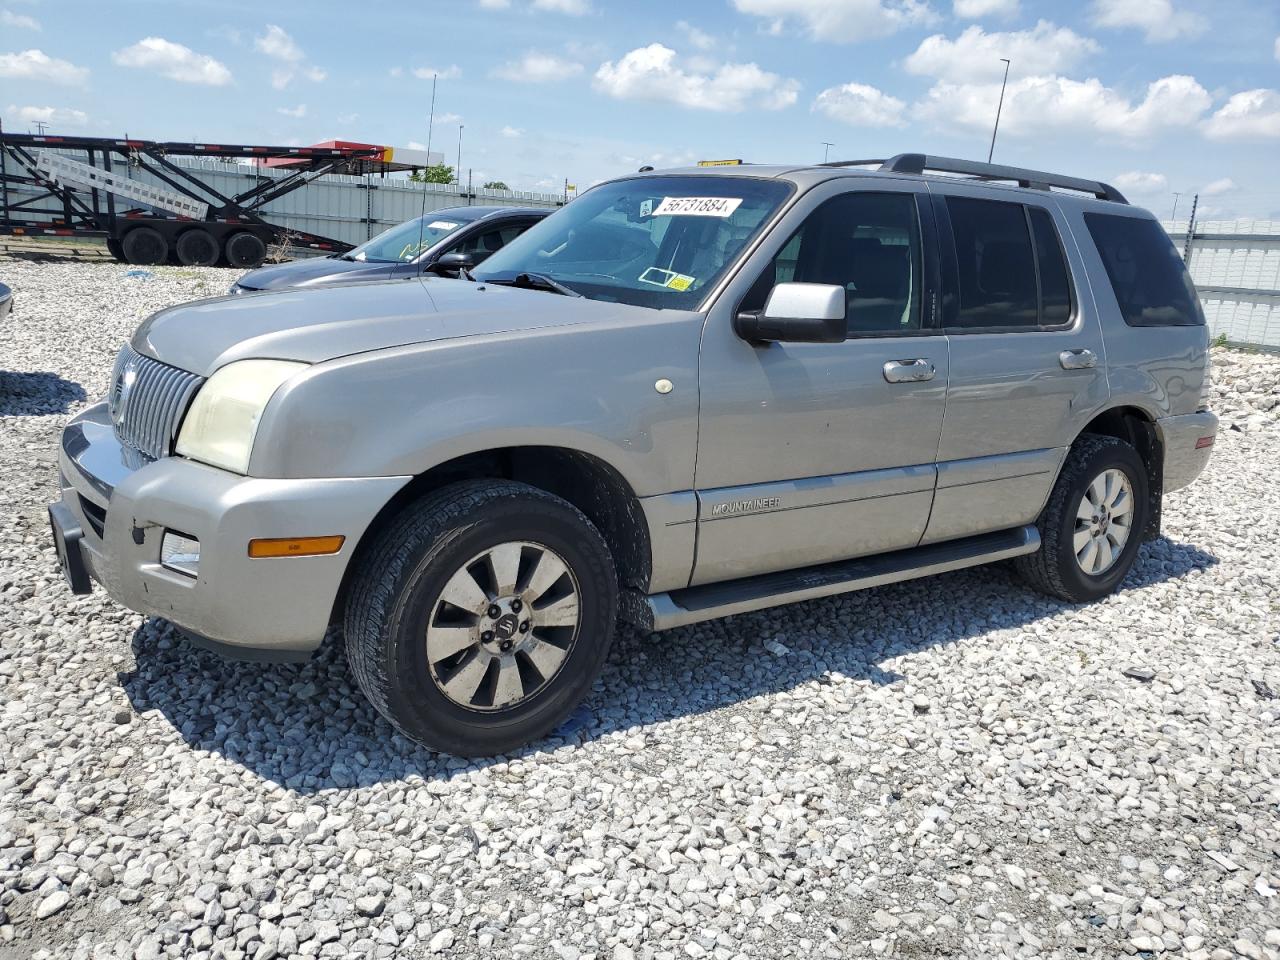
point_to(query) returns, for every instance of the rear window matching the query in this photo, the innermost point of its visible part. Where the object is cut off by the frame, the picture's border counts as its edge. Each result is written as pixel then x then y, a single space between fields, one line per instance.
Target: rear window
pixel 997 270
pixel 1150 280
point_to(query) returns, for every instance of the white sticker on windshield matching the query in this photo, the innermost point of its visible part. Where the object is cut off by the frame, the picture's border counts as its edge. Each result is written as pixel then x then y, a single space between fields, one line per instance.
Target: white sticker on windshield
pixel 697 206
pixel 441 225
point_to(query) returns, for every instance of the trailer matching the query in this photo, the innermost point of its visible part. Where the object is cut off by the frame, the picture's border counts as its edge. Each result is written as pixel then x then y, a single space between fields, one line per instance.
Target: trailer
pixel 88 187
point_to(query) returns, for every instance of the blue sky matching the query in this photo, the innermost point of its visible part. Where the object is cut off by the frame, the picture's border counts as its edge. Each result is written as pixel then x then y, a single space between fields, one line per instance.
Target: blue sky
pixel 1156 95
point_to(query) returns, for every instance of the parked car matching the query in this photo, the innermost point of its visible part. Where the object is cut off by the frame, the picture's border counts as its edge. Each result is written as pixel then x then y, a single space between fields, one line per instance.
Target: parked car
pixel 687 394
pixel 442 242
pixel 6 301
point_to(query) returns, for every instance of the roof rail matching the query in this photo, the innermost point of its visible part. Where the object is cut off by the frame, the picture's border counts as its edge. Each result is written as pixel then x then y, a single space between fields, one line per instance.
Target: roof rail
pixel 919 163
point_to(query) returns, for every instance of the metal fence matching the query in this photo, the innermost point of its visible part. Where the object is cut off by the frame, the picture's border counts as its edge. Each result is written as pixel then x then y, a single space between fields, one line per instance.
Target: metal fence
pixel 351 209
pixel 1236 267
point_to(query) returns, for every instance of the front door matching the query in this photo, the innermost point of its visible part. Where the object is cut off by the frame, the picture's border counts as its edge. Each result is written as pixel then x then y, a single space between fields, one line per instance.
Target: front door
pixel 807 453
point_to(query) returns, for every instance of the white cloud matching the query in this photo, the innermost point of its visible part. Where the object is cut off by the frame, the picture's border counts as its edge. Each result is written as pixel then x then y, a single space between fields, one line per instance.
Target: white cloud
pixel 19 21
pixel 1139 181
pixel 861 106
pixel 699 38
pixel 1157 19
pixel 1224 185
pixel 535 67
pixel 512 132
pixel 174 61
pixel 652 73
pixel 975 9
pixel 38 65
pixel 574 8
pixel 449 118
pixel 841 21
pixel 299 111
pixel 1054 105
pixel 451 72
pixel 279 46
pixel 975 54
pixel 1251 115
pixel 56 117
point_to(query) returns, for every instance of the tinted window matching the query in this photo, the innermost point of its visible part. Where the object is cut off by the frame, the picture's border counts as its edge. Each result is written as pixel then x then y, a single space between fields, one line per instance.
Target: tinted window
pixel 1150 280
pixel 1055 285
pixel 867 243
pixel 997 269
pixel 486 242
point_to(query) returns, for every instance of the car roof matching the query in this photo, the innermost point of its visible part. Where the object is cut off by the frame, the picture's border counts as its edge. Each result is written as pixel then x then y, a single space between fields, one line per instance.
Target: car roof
pixel 1020 182
pixel 483 212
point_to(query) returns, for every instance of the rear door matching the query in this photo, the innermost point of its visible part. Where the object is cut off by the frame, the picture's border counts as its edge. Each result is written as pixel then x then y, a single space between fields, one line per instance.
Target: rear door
pixel 807 453
pixel 1028 365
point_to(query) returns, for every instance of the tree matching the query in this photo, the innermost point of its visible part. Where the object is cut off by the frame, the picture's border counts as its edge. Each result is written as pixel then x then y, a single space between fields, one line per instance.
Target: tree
pixel 496 185
pixel 436 173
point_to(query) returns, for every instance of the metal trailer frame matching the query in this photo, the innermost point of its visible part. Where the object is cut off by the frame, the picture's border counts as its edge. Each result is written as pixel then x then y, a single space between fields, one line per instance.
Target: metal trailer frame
pixel 234 230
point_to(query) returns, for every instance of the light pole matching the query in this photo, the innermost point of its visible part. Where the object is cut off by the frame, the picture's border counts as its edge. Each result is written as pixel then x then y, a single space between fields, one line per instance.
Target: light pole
pixel 826 149
pixel 458 176
pixel 999 107
pixel 1174 215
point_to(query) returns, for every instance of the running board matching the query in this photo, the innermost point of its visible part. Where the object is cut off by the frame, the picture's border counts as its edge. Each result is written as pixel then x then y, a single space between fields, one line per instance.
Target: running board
pixel 694 604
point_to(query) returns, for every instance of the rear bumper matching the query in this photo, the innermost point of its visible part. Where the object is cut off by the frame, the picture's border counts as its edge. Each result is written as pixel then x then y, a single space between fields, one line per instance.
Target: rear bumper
pixel 256 608
pixel 1188 442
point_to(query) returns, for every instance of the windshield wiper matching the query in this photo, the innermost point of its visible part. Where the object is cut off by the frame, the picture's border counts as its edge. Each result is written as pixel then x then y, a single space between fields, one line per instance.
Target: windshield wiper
pixel 539 281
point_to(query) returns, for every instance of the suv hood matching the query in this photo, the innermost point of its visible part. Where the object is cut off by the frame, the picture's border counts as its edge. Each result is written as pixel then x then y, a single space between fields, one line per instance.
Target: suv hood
pixel 312 270
pixel 314 324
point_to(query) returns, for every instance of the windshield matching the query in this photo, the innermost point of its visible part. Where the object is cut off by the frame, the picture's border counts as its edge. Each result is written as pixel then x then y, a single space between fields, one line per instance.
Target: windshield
pixel 651 242
pixel 403 243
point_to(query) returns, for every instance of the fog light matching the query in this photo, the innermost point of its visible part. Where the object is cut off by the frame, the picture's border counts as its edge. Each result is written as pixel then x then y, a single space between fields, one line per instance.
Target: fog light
pixel 180 552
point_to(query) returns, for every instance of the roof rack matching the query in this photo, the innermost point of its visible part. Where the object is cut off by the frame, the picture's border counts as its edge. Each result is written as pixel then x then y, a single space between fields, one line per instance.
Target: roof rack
pixel 919 163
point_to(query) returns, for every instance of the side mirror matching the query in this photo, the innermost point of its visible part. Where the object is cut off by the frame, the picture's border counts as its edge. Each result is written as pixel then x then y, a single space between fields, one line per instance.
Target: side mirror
pixel 798 313
pixel 452 264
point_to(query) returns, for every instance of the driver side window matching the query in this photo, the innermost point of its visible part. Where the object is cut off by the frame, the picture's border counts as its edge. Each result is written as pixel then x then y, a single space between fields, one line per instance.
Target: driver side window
pixel 866 243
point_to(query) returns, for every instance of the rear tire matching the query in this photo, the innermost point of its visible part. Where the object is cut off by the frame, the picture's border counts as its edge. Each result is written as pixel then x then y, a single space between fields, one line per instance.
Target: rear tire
pixel 1092 526
pixel 245 250
pixel 198 248
pixel 143 246
pixel 481 616
pixel 116 251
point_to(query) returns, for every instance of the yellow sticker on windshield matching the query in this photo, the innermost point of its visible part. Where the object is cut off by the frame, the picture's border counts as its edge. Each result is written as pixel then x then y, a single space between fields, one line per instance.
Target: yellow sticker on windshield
pixel 680 282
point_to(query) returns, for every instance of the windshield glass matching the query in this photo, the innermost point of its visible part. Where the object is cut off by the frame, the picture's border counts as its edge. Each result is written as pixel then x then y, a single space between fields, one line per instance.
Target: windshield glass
pixel 402 243
pixel 651 242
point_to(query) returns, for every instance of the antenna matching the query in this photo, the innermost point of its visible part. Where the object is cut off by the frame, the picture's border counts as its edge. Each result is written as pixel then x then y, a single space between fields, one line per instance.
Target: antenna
pixel 826 150
pixel 422 217
pixel 999 107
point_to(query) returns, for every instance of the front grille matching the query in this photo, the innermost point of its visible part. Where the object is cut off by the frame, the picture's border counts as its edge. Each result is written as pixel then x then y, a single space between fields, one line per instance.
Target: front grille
pixel 94 514
pixel 147 401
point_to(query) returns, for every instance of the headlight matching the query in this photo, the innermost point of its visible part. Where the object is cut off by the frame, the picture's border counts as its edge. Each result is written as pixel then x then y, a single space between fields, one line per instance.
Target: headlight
pixel 220 426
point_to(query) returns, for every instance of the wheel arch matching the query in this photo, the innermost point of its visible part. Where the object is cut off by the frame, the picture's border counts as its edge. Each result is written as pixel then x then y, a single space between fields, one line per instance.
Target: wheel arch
pixel 1137 427
pixel 584 480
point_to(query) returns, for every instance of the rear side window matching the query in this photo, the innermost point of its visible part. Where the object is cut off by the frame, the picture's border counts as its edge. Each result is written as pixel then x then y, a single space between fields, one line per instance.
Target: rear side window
pixel 1055 286
pixel 1150 280
pixel 996 264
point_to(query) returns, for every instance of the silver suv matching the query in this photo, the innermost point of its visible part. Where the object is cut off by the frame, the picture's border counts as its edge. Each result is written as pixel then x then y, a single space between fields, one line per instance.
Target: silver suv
pixel 687 394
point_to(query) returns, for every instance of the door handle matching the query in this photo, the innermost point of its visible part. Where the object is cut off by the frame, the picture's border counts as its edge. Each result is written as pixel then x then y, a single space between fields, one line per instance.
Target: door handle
pixel 1077 359
pixel 909 371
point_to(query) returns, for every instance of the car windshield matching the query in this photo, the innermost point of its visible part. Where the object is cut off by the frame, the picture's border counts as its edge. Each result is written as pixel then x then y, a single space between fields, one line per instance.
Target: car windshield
pixel 403 243
pixel 651 241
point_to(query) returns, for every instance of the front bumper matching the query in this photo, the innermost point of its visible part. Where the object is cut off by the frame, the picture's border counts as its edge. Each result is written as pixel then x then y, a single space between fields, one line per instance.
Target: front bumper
pixel 273 608
pixel 1188 442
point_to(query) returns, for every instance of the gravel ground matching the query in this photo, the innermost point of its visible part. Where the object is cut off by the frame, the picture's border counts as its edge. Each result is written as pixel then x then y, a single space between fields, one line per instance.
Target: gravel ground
pixel 954 767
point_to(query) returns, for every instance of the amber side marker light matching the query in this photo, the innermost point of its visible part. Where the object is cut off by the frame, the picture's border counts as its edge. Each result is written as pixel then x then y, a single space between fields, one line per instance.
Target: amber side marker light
pixel 295 547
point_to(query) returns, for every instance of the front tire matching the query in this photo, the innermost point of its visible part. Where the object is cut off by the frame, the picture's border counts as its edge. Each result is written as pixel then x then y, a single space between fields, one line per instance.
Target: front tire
pixel 481 616
pixel 1092 526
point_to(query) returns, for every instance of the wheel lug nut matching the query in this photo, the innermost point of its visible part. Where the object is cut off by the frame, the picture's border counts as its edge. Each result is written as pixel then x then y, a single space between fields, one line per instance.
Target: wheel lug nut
pixel 494 612
pixel 515 606
pixel 487 636
pixel 524 627
pixel 506 646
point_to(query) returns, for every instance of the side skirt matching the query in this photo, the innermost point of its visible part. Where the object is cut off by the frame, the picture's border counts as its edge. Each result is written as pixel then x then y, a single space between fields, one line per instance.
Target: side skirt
pixel 677 608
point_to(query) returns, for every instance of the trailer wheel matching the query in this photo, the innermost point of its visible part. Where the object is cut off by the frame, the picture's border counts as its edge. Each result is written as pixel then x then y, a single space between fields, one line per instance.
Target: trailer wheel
pixel 144 246
pixel 198 248
pixel 245 250
pixel 114 248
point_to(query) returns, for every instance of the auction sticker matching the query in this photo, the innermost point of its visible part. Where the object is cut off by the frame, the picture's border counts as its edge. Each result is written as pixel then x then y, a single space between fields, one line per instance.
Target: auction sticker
pixel 697 206
pixel 441 225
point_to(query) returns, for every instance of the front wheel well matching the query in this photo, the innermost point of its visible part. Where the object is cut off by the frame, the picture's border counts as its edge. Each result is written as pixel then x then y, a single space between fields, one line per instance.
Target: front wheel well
pixel 1136 428
pixel 585 481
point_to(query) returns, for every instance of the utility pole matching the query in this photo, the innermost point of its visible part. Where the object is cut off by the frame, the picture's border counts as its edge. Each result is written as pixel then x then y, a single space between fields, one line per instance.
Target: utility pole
pixel 826 149
pixel 41 126
pixel 1174 217
pixel 459 176
pixel 999 107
